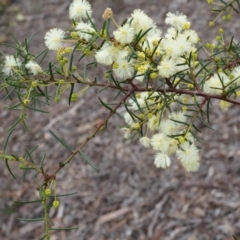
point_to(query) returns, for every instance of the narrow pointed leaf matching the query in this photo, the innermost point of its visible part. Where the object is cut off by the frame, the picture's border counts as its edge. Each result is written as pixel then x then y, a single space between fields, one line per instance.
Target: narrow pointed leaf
pixel 60 140
pixel 28 202
pixel 63 229
pixel 42 238
pixel 10 171
pixel 30 219
pixel 86 158
pixel 105 105
pixel 70 94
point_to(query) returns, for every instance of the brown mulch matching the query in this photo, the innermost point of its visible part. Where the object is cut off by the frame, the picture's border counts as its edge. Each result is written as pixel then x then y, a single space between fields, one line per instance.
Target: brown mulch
pixel 128 198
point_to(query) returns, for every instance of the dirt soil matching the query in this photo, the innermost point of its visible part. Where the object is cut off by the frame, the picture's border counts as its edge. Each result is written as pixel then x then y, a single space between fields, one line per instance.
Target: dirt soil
pixel 128 198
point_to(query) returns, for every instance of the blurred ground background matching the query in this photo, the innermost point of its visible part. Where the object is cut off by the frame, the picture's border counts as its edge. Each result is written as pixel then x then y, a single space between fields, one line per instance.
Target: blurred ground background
pixel 128 198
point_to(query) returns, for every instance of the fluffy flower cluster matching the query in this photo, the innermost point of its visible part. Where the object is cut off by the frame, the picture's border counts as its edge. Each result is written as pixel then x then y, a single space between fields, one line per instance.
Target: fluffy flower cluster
pixel 139 30
pixel 139 50
pixel 79 11
pixel 165 133
pixel 12 64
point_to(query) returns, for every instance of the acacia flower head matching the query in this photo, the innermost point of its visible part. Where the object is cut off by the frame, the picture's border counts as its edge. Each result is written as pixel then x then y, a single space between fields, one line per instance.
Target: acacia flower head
pixel 85 31
pixel 79 10
pixel 162 160
pixel 167 68
pixel 145 141
pixel 169 127
pixel 124 69
pixel 189 156
pixel 9 64
pixel 191 36
pixel 153 122
pixel 178 116
pixel 191 166
pixel 127 132
pixel 124 34
pixel 159 142
pixel 236 75
pixel 128 118
pixel 109 53
pixel 215 84
pixel 33 67
pixel 178 20
pixel 184 46
pixel 141 22
pixel 54 38
pixel 224 105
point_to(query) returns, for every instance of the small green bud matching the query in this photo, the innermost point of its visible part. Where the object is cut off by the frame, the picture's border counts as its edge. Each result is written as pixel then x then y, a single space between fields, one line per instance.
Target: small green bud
pixel 47 191
pixel 220 30
pixel 21 166
pixel 213 46
pixel 194 55
pixel 74 68
pixel 218 38
pixel 74 97
pixel 211 24
pixel 56 99
pixel 136 126
pixel 149 115
pixel 141 55
pixel 208 45
pixel 26 101
pixel 115 65
pixel 56 204
pixel 59 57
pixel 68 50
pixel 87 51
pixel 34 83
pixel 153 75
pixel 187 25
pixel 74 34
pixel 190 86
pixel 181 139
pixel 184 108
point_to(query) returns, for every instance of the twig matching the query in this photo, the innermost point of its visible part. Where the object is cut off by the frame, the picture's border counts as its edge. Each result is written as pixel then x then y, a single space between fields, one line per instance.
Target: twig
pixel 100 126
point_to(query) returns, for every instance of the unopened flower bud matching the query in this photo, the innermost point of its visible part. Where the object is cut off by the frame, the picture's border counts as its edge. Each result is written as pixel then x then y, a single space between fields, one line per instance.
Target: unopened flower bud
pixel 56 204
pixel 47 191
pixel 211 24
pixel 107 14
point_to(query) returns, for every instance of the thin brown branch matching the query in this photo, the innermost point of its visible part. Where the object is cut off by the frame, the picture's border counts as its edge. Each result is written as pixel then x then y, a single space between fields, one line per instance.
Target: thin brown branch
pixel 171 90
pixel 100 126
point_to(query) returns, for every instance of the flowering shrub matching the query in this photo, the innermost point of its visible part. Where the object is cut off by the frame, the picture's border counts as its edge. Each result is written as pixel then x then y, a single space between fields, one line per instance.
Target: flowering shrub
pixel 164 85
